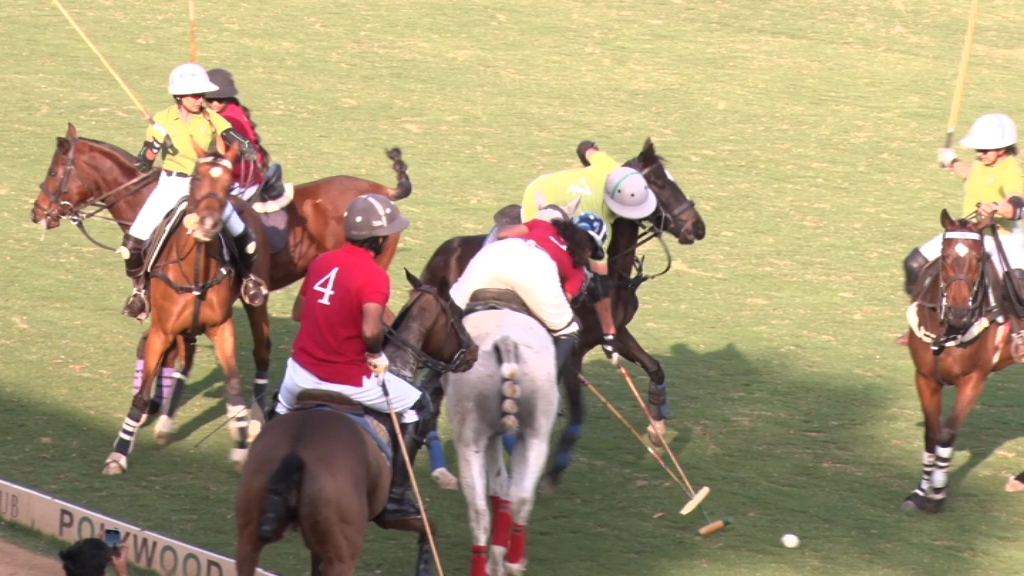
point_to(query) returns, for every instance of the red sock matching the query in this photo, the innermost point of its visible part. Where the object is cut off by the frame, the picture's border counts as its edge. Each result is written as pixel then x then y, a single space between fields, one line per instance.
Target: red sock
pixel 517 545
pixel 501 522
pixel 479 564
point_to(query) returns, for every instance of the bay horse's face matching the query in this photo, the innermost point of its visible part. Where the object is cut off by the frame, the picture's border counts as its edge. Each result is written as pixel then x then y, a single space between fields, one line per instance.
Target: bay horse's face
pixel 208 195
pixel 963 255
pixel 433 323
pixel 62 189
pixel 676 214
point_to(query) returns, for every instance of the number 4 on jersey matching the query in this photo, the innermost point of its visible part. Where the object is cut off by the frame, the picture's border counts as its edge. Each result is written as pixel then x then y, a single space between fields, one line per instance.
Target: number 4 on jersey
pixel 326 286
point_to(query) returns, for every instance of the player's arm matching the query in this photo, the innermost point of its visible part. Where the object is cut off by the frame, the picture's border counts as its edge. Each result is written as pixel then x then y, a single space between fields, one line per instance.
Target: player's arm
pixel 300 301
pixel 373 327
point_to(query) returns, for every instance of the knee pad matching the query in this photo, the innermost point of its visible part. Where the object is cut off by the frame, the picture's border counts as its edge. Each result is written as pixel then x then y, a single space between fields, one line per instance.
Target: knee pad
pixel 913 264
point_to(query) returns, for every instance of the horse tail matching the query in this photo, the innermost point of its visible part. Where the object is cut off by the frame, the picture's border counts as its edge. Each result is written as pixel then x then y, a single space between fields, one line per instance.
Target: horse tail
pixel 281 497
pixel 508 356
pixel 404 188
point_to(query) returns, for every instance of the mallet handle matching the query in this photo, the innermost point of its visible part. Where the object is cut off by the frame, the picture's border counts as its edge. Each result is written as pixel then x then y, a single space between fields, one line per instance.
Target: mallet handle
pixel 961 75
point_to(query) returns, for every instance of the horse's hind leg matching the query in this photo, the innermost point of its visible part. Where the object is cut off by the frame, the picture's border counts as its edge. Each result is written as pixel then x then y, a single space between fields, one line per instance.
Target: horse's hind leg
pixel 498 487
pixel 527 467
pixel 930 393
pixel 657 395
pixel 259 321
pixel 156 346
pixel 473 475
pixel 223 337
pixel 430 382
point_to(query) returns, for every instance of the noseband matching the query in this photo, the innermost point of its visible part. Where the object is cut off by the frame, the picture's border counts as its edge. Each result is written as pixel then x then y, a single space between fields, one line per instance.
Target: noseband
pixel 454 323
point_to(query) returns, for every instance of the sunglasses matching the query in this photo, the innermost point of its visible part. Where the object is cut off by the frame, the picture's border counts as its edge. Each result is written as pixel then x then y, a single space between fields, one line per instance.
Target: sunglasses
pixel 985 151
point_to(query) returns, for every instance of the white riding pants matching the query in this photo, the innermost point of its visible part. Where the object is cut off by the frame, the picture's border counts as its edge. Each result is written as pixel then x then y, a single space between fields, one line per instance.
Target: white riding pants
pixel 169 190
pixel 519 265
pixel 1013 245
pixel 370 395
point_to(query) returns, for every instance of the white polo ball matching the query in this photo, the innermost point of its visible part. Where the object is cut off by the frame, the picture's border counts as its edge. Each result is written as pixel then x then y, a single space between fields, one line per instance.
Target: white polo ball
pixel 790 540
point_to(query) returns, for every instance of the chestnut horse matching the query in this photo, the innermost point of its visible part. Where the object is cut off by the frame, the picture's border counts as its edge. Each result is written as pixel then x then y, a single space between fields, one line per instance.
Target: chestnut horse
pixel 193 288
pixel 87 178
pixel 959 321
pixel 319 470
pixel 676 215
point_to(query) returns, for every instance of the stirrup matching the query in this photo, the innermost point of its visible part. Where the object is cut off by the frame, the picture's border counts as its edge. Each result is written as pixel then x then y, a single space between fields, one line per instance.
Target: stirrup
pixel 1017 346
pixel 254 291
pixel 137 305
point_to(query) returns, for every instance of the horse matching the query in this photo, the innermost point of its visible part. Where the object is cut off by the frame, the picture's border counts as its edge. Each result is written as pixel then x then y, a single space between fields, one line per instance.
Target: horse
pixel 193 289
pixel 676 215
pixel 320 471
pixel 959 319
pixel 512 388
pixel 87 178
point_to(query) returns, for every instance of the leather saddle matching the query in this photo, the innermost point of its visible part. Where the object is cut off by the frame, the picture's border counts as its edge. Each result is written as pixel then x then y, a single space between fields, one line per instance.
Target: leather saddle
pixel 370 421
pixel 497 299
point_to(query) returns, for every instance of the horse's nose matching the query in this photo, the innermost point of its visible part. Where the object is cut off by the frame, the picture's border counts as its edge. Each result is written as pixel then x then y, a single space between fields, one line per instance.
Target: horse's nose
pixel 211 225
pixel 698 229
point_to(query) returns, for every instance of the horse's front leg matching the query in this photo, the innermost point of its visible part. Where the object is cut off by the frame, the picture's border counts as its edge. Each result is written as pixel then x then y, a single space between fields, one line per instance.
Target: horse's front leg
pixel 259 322
pixel 165 426
pixel 572 432
pixel 223 337
pixel 657 396
pixel 930 393
pixel 430 382
pixel 968 390
pixel 156 346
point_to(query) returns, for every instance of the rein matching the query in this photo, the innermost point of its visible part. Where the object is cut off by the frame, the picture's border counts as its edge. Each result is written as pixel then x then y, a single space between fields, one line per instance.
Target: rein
pixel 421 357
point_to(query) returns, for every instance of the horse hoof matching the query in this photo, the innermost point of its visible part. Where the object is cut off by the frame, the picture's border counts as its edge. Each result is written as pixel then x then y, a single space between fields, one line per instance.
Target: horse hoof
pixel 548 486
pixel 255 427
pixel 116 464
pixel 238 456
pixel 445 479
pixel 1013 485
pixel 164 430
pixel 515 569
pixel 917 503
pixel 655 432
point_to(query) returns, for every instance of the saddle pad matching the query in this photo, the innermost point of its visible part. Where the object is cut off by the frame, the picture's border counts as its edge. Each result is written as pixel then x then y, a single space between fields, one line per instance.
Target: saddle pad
pixel 163 231
pixel 368 423
pixel 268 206
pixel 276 224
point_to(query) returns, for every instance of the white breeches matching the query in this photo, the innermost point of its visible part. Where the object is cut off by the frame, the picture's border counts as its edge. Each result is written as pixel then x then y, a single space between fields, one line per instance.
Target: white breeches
pixel 519 265
pixel 244 193
pixel 1013 245
pixel 169 190
pixel 370 395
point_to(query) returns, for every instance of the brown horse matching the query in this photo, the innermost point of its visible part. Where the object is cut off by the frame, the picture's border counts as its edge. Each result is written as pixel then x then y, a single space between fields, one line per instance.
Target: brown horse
pixel 959 321
pixel 193 289
pixel 88 178
pixel 676 215
pixel 320 471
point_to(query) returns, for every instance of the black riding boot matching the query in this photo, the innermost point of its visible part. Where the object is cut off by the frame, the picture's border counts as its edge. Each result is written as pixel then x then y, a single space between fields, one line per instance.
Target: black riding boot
pixel 254 289
pixel 913 264
pixel 133 252
pixel 401 501
pixel 565 348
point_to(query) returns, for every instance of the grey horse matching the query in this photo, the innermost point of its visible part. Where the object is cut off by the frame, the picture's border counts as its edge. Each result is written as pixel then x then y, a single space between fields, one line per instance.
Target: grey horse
pixel 511 388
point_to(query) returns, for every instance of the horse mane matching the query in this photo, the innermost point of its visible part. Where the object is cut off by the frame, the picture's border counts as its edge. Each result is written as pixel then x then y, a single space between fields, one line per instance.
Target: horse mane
pixel 107 146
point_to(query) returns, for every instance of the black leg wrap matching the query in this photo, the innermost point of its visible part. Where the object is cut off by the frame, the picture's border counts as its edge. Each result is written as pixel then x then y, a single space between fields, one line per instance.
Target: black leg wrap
pixel 657 397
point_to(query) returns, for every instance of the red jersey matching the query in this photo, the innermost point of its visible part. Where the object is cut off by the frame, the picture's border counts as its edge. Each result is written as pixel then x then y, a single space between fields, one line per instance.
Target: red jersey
pixel 546 236
pixel 330 339
pixel 245 174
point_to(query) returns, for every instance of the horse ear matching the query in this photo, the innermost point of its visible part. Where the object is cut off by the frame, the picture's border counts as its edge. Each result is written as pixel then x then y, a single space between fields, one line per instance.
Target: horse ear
pixel 63 145
pixel 648 157
pixel 72 131
pixel 946 219
pixel 539 199
pixel 573 206
pixel 200 152
pixel 413 280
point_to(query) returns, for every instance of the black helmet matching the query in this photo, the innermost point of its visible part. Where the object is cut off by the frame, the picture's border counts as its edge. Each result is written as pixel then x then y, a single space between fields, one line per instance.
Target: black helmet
pixel 373 215
pixel 225 85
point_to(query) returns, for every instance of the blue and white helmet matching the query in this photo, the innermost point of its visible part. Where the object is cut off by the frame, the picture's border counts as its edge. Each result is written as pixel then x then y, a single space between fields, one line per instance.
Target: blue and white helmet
pixel 596 227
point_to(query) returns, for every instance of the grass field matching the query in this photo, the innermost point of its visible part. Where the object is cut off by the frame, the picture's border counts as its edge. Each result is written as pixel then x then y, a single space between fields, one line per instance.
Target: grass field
pixel 806 133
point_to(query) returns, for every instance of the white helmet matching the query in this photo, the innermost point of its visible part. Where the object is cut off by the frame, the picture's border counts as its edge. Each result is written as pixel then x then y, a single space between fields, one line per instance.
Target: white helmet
pixel 991 132
pixel 627 194
pixel 189 79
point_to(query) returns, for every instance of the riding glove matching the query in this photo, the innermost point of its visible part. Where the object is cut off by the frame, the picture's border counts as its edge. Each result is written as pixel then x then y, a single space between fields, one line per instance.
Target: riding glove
pixel 378 363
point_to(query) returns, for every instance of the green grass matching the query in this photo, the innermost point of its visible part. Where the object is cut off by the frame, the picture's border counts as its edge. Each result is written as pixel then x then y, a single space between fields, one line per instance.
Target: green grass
pixel 805 132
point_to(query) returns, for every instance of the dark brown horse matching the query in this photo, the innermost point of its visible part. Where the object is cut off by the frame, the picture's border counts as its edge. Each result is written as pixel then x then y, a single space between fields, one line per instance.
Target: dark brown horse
pixel 193 288
pixel 88 178
pixel 959 321
pixel 320 471
pixel 675 215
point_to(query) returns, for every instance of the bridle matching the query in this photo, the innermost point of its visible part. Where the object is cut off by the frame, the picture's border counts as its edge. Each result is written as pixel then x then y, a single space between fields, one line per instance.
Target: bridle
pixel 977 298
pixel 73 213
pixel 459 359
pixel 220 199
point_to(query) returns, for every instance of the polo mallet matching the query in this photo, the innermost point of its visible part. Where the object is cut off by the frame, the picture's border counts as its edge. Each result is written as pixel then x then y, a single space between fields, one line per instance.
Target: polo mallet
pixel 193 52
pixel 961 75
pixel 412 475
pixel 696 497
pixel 149 117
